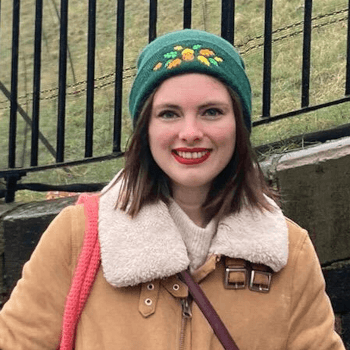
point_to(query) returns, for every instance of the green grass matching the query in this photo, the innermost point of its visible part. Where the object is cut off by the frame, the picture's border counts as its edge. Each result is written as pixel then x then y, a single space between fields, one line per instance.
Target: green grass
pixel 328 65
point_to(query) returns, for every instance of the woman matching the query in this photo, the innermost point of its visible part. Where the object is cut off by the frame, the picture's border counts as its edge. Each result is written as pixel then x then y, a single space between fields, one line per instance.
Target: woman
pixel 191 196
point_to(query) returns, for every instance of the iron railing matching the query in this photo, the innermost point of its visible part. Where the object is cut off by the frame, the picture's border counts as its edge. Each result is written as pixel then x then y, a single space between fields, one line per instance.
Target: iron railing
pixel 12 174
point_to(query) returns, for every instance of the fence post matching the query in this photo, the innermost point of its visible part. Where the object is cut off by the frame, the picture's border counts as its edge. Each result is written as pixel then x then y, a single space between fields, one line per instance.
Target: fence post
pixel 266 103
pixel 119 65
pixel 90 79
pixel 306 55
pixel 62 79
pixel 36 83
pixel 187 15
pixel 11 185
pixel 152 27
pixel 228 20
pixel 14 82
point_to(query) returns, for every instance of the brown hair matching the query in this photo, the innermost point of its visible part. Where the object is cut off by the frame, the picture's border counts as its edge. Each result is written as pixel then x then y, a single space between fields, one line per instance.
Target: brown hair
pixel 240 183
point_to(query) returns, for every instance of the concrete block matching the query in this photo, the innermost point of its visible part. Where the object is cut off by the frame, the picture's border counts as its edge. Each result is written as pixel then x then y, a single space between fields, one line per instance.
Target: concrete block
pixel 315 189
pixel 22 229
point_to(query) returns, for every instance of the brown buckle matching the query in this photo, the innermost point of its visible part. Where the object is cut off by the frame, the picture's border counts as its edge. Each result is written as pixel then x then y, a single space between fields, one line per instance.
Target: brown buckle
pixel 260 281
pixel 236 274
pixel 239 273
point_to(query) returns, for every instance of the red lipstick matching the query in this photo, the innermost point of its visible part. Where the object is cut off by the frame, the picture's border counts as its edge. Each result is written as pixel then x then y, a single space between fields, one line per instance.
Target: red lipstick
pixel 180 157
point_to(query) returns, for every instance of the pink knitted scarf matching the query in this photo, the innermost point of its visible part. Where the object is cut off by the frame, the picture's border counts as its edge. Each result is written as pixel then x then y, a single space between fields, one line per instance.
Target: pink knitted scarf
pixel 85 272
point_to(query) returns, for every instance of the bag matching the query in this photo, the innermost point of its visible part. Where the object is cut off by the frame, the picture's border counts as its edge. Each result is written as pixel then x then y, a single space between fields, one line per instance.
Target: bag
pixel 85 272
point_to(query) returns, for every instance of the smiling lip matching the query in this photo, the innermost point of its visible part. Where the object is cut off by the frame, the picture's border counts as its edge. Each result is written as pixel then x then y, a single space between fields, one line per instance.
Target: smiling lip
pixel 191 156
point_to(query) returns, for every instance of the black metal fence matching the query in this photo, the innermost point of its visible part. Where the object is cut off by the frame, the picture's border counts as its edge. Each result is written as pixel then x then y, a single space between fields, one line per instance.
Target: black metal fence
pixel 12 175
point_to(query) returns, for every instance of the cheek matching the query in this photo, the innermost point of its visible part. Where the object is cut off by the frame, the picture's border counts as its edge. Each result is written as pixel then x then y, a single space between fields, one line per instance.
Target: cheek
pixel 226 141
pixel 226 136
pixel 159 139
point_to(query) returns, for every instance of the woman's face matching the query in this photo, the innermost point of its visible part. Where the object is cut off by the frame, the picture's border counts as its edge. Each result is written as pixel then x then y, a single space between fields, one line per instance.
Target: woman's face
pixel 192 129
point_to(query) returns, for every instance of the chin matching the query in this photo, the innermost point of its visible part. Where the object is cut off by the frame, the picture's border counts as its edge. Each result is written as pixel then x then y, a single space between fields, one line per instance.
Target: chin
pixel 192 183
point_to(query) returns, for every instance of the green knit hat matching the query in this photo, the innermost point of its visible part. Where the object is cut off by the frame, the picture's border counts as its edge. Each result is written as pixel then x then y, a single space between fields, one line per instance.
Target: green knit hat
pixel 188 51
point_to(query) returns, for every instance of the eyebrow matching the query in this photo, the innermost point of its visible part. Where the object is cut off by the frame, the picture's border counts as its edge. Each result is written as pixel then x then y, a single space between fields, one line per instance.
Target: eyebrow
pixel 205 105
pixel 166 105
pixel 215 103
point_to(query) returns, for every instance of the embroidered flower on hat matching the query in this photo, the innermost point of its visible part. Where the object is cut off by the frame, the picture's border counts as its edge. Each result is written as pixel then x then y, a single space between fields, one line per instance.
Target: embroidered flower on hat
pixel 158 66
pixel 187 54
pixel 206 52
pixel 173 63
pixel 203 60
pixel 206 56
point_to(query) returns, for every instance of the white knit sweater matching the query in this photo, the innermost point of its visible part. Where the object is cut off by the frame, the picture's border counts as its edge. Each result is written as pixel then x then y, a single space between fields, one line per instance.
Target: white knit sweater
pixel 197 239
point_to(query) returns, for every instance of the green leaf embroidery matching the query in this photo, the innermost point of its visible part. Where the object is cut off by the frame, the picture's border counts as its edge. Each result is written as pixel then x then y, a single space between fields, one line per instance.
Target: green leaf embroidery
pixel 196 47
pixel 171 54
pixel 212 61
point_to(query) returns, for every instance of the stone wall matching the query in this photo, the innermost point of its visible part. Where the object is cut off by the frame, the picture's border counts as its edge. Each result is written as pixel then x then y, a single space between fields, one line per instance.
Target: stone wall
pixel 315 192
pixel 315 188
pixel 21 226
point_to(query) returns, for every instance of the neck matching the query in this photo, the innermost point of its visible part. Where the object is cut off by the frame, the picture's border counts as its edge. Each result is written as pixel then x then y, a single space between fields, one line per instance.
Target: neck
pixel 190 200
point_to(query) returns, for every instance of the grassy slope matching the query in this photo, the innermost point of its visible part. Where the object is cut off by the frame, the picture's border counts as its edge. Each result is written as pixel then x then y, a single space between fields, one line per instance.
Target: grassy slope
pixel 327 72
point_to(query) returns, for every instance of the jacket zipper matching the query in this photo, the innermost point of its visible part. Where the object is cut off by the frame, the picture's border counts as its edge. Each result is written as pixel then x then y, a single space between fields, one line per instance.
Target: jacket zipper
pixel 186 315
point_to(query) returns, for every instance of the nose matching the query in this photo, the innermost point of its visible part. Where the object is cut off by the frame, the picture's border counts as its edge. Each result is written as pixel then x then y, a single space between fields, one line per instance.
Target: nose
pixel 191 130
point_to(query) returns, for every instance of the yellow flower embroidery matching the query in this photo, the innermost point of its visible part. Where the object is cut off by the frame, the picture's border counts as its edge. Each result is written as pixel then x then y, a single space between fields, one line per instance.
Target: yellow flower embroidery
pixel 174 63
pixel 181 54
pixel 187 55
pixel 157 66
pixel 206 52
pixel 203 60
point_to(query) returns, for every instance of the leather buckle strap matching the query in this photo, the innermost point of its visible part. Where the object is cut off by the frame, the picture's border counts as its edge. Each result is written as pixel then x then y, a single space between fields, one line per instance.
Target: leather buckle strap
pixel 240 273
pixel 236 273
pixel 260 278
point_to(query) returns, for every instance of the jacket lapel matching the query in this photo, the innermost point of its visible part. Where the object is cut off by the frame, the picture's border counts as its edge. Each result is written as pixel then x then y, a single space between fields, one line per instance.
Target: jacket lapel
pixel 259 237
pixel 150 246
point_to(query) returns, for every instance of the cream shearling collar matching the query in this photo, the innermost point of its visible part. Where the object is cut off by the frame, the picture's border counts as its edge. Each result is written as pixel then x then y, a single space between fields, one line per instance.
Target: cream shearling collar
pixel 150 246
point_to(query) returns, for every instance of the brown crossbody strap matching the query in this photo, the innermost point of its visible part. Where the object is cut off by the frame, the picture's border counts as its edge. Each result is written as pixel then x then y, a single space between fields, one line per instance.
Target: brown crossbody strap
pixel 209 312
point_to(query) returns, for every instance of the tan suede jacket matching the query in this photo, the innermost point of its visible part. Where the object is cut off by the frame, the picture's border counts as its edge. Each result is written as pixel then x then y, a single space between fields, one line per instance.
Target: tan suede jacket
pixel 296 314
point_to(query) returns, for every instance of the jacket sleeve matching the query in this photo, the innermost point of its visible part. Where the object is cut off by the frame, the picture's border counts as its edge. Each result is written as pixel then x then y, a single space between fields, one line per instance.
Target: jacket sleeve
pixel 32 317
pixel 312 318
